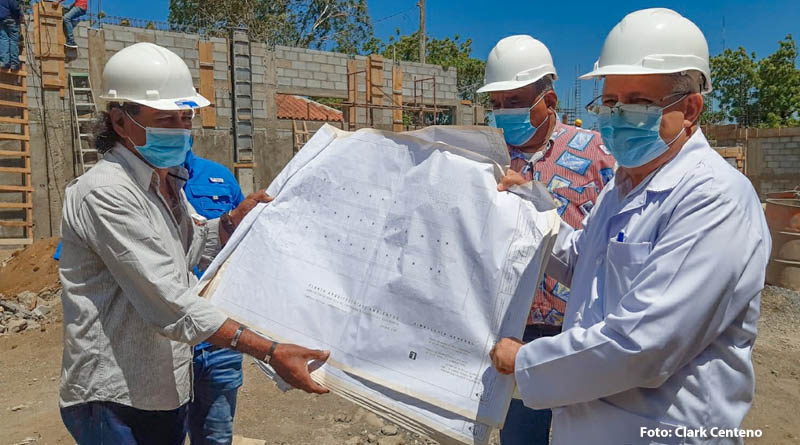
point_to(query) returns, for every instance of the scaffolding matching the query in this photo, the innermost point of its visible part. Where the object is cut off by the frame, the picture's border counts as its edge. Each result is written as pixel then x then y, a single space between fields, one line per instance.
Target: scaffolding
pixel 373 94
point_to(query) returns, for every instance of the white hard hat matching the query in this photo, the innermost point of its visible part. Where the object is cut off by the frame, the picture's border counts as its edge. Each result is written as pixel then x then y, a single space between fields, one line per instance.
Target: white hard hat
pixel 517 61
pixel 654 41
pixel 150 75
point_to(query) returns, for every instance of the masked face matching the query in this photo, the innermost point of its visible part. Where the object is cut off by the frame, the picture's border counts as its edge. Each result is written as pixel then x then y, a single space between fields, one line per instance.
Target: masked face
pixel 164 147
pixel 516 123
pixel 631 132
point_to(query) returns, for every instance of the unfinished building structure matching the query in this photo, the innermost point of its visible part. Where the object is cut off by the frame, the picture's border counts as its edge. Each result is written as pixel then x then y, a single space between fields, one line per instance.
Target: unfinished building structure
pixel 47 107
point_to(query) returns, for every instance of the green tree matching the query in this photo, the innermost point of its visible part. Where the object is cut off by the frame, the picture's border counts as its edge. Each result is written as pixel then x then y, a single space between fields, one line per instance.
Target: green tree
pixel 734 76
pixel 446 52
pixel 779 92
pixel 338 25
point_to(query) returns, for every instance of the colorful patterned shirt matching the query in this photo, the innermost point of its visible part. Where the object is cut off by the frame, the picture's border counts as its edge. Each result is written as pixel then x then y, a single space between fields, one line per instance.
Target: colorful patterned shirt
pixel 575 166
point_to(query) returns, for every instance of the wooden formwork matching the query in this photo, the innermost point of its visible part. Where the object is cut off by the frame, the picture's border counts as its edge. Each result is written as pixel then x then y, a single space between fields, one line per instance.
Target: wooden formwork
pixel 208 115
pixel 49 42
pixel 734 155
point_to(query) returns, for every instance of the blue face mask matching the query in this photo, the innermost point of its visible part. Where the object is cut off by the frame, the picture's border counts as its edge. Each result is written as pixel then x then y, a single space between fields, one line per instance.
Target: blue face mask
pixel 516 123
pixel 631 132
pixel 164 147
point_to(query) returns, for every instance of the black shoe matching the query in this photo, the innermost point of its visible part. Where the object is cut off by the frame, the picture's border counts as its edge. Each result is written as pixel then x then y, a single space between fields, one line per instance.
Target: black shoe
pixel 70 45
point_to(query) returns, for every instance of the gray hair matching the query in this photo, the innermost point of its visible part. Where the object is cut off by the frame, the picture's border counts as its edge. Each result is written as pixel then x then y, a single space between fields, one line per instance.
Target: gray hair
pixel 542 85
pixel 104 135
pixel 687 81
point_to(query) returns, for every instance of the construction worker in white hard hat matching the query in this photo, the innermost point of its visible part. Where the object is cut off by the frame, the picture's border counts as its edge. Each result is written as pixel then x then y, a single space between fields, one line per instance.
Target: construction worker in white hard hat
pixel 130 241
pixel 666 273
pixel 571 162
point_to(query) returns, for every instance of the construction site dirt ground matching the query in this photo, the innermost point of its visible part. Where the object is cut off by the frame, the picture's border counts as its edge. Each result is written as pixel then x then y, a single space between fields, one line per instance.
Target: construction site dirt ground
pixel 30 363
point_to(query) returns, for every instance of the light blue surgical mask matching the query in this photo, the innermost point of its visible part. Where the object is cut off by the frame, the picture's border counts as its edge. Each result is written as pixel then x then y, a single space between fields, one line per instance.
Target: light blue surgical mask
pixel 516 123
pixel 164 147
pixel 631 132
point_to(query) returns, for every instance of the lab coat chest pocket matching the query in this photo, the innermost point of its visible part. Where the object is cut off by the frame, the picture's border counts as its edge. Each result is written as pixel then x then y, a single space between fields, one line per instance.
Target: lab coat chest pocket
pixel 623 262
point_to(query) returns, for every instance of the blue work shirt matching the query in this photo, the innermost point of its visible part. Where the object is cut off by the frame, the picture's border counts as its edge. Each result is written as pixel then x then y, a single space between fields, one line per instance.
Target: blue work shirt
pixel 212 190
pixel 666 283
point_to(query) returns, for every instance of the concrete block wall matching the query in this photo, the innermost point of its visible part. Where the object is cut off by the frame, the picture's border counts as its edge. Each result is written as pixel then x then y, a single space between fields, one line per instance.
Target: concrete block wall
pixel 274 70
pixel 773 154
pixel 780 163
pixel 320 73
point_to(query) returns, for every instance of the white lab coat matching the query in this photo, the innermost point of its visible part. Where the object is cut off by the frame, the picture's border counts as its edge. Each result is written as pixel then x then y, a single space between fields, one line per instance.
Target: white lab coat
pixel 659 327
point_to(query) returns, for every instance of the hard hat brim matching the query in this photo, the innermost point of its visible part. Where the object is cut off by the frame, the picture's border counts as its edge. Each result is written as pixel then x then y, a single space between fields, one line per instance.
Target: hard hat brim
pixel 185 103
pixel 628 70
pixel 506 85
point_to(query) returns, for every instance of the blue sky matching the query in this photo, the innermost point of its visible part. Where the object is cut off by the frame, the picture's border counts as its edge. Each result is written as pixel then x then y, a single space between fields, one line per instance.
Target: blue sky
pixel 573 30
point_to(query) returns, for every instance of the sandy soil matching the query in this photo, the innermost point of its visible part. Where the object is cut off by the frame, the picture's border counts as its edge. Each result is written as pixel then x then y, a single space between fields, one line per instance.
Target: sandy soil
pixel 30 363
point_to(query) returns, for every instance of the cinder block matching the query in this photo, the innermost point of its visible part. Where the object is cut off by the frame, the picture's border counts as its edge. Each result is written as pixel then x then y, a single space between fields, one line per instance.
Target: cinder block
pixel 190 54
pixel 339 69
pixel 165 40
pixel 124 36
pixel 179 51
pixel 220 66
pixel 297 82
pixel 221 45
pixel 220 74
pixel 114 45
pixel 290 73
pixel 320 75
pixel 304 57
pixel 257 78
pixel 298 65
pixel 328 85
pixel 220 56
pixel 313 83
pixel 342 86
pixel 326 68
pixel 289 55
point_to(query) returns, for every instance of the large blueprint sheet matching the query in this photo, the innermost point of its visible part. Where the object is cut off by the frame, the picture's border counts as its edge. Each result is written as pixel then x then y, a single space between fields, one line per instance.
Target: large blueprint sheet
pixel 395 252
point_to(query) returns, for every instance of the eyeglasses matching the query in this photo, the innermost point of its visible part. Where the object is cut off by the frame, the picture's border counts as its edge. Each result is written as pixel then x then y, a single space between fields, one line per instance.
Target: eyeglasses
pixel 596 106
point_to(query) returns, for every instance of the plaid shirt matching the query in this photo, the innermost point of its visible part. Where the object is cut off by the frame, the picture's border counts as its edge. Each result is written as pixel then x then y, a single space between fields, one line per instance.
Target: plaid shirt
pixel 575 166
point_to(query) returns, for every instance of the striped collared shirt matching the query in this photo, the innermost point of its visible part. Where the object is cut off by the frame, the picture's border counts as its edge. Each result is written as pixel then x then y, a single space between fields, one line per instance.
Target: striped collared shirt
pixel 129 310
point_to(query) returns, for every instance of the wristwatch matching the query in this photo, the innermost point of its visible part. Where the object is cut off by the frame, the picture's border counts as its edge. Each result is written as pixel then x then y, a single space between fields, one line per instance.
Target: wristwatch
pixel 227 223
pixel 268 357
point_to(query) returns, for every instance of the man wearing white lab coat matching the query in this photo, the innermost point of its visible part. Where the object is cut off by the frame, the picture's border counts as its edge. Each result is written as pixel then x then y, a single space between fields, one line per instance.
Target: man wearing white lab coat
pixel 667 271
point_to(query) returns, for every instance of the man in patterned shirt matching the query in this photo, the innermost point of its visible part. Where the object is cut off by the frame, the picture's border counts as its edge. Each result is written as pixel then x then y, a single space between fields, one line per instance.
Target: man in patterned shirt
pixel 570 161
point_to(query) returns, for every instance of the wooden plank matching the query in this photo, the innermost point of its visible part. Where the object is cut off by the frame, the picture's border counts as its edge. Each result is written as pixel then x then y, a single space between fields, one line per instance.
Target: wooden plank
pixel 14 153
pixel 244 165
pixel 9 223
pixel 352 82
pixel 15 205
pixel 20 72
pixel 5 86
pixel 15 170
pixel 208 115
pixel 15 188
pixel 15 241
pixel 397 98
pixel 7 103
pixel 13 137
pixel 13 120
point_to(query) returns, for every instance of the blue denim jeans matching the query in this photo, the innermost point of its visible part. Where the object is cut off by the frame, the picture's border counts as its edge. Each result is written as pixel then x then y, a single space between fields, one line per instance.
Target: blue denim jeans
pixel 9 43
pixel 527 426
pixel 217 378
pixel 71 19
pixel 106 423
